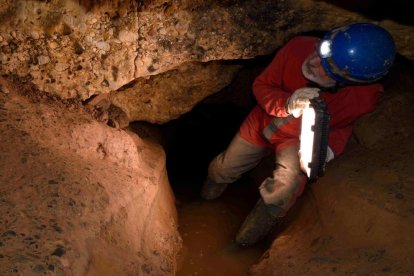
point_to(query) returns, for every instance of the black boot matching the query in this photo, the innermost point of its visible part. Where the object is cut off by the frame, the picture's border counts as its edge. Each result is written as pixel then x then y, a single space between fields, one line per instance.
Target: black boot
pixel 212 190
pixel 258 224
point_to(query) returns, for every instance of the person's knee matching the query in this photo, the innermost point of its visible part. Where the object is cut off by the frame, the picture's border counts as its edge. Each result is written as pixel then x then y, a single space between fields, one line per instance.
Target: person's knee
pixel 282 192
pixel 219 172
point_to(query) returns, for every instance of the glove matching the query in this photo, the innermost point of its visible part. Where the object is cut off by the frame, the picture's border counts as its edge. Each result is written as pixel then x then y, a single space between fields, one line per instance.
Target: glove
pixel 300 99
pixel 329 155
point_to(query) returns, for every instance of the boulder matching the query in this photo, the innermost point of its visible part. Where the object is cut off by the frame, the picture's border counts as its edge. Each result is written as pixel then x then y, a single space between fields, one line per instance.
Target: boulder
pixel 78 197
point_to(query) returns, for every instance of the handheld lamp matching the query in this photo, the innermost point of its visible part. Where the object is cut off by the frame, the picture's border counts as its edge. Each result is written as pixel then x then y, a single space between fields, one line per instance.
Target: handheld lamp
pixel 314 138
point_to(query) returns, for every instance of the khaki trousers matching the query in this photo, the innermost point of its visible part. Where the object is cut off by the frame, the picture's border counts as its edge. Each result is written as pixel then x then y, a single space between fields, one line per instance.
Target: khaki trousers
pixel 280 190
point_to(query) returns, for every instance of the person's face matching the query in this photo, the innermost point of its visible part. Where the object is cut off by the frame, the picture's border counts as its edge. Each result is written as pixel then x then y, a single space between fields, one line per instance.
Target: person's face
pixel 312 70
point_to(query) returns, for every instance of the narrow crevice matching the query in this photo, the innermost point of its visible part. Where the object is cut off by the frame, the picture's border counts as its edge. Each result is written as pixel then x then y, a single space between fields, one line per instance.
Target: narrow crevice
pixel 208 228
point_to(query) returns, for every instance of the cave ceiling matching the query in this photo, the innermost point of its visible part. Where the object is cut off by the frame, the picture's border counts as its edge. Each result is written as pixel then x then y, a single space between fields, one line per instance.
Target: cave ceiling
pixel 77 49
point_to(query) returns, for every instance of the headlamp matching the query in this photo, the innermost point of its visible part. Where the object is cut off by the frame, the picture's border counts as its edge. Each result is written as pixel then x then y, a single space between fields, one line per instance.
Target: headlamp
pixel 325 49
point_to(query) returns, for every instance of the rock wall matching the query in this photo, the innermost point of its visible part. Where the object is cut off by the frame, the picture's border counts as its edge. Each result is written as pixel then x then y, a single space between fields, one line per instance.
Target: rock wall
pixel 78 197
pixel 166 96
pixel 356 220
pixel 81 48
pixel 67 49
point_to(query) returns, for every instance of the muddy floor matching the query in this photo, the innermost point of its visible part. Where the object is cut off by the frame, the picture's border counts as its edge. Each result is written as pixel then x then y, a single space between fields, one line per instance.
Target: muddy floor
pixel 208 229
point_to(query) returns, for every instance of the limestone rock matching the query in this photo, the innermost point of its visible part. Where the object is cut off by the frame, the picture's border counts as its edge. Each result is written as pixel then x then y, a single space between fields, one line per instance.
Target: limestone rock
pixel 164 97
pixel 78 197
pixel 76 48
pixel 170 32
pixel 105 45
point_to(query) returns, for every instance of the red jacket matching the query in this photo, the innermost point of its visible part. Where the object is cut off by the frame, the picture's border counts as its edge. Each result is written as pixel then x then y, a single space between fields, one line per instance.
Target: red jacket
pixel 281 78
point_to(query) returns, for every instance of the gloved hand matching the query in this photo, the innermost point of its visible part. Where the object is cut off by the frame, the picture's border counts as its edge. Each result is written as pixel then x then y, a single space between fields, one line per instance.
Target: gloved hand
pixel 329 155
pixel 300 99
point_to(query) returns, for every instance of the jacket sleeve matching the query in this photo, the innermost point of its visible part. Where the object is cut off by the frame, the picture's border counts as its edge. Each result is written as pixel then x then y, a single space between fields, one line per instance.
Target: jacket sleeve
pixel 364 102
pixel 338 138
pixel 267 87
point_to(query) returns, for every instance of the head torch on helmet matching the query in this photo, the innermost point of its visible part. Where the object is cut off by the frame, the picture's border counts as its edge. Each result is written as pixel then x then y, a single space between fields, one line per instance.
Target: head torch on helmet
pixel 324 49
pixel 357 53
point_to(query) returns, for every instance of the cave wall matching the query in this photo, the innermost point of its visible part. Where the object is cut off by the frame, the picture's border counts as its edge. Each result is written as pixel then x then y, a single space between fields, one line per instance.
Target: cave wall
pixel 78 197
pixel 167 96
pixel 81 48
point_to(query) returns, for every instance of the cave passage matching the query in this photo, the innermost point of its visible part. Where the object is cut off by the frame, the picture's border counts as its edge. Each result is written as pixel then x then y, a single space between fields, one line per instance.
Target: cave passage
pixel 208 228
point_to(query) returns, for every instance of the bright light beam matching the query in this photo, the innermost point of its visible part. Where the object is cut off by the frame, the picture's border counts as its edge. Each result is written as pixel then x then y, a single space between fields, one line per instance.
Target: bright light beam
pixel 314 138
pixel 307 137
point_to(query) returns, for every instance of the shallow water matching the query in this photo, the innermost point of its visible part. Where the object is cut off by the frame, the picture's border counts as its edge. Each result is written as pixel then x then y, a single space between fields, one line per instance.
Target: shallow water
pixel 208 229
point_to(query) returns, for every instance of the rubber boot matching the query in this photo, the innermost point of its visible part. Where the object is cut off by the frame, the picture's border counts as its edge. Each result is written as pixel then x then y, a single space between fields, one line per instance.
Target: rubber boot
pixel 261 220
pixel 212 190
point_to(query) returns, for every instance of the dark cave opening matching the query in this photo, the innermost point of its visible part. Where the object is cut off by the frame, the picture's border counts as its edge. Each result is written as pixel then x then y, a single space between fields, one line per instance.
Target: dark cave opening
pixel 195 138
pixel 208 228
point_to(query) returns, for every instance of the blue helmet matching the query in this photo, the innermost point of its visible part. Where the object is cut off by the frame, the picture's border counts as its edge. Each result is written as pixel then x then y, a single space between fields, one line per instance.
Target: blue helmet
pixel 357 53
